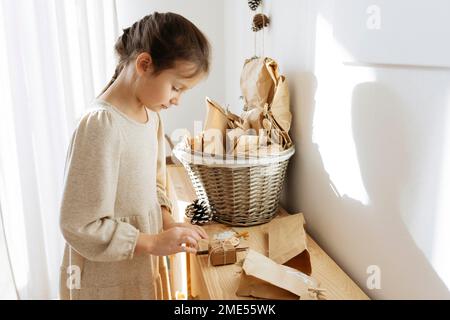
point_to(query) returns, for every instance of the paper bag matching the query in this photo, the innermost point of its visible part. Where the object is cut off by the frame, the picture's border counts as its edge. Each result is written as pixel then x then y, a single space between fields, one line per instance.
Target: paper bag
pixel 258 81
pixel 266 98
pixel 246 145
pixel 253 287
pixel 213 142
pixel 253 119
pixel 272 274
pixel 216 120
pixel 232 139
pixel 280 105
pixel 287 242
pixel 197 143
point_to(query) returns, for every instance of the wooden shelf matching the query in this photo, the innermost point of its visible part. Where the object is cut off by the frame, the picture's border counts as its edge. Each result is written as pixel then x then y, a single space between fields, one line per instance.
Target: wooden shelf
pixel 221 283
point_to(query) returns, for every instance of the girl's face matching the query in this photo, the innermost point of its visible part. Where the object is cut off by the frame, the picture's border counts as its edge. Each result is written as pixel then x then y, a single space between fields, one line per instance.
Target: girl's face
pixel 164 90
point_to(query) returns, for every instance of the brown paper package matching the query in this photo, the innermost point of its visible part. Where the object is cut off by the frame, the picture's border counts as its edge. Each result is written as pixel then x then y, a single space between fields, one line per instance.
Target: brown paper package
pixel 221 253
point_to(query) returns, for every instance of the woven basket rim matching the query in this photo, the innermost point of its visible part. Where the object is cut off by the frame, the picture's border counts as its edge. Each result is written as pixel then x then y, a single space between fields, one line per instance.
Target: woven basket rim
pixel 187 156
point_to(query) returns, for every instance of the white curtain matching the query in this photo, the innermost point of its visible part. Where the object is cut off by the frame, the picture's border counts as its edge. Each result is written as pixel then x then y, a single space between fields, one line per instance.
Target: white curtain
pixel 55 57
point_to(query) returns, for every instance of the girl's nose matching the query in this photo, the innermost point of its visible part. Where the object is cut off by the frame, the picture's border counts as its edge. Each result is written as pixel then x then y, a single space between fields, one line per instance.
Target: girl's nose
pixel 174 101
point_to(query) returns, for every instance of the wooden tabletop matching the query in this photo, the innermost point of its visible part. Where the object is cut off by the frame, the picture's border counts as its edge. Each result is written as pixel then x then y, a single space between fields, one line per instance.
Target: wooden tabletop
pixel 221 282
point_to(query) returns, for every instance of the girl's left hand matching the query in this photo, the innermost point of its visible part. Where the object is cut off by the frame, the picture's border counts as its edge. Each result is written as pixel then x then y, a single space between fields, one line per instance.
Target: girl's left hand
pixel 202 233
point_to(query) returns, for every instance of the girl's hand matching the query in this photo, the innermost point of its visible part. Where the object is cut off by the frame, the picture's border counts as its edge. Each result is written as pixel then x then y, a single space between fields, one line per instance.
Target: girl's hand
pixel 200 231
pixel 171 241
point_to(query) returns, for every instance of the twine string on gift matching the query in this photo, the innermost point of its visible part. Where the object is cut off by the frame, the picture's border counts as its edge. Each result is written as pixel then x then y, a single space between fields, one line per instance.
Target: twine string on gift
pixel 216 248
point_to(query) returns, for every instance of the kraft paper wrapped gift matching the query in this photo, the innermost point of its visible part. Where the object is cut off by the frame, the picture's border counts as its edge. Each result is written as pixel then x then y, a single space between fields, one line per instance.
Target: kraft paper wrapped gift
pixel 221 253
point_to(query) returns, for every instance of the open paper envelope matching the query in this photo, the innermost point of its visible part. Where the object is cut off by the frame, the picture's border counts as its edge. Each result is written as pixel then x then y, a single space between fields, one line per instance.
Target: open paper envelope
pixel 287 242
pixel 259 266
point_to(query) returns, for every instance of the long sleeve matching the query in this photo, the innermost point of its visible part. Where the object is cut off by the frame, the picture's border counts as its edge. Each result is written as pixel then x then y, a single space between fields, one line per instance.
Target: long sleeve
pixel 87 210
pixel 161 175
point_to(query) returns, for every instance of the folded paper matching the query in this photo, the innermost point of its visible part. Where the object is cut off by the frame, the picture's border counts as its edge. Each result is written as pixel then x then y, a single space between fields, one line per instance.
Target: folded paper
pixel 274 276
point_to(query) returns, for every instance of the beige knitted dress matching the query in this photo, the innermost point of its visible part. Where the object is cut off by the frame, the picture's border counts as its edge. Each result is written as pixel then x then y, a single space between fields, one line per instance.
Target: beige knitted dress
pixel 114 187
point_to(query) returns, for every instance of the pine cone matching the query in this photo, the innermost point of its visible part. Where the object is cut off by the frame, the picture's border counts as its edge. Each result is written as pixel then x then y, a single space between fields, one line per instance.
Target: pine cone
pixel 260 21
pixel 254 4
pixel 200 212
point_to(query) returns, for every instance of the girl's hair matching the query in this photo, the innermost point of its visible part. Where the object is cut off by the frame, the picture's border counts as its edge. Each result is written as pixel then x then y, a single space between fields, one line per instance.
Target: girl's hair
pixel 168 38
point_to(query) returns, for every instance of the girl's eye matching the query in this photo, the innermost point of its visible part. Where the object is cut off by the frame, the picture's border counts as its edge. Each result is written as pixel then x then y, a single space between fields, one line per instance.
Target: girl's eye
pixel 175 89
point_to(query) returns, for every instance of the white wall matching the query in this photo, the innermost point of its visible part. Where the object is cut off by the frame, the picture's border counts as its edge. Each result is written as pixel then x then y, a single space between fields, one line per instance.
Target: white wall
pixel 371 172
pixel 208 17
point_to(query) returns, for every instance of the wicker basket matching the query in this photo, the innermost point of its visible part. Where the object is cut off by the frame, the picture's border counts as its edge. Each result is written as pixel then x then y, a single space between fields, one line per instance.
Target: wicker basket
pixel 244 191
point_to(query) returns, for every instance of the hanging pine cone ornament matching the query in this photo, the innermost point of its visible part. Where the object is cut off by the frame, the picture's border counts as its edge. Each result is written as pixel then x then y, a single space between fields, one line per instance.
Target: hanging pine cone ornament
pixel 200 212
pixel 260 21
pixel 254 4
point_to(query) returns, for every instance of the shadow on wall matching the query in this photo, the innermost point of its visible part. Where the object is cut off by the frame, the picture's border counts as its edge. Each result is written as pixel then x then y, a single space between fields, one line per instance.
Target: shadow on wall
pixel 378 232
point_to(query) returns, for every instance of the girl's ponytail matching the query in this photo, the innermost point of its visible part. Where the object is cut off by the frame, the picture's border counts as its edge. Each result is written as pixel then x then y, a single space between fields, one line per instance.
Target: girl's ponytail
pixel 168 38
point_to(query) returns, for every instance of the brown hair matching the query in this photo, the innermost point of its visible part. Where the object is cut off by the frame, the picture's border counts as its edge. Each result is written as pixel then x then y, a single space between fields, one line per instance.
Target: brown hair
pixel 168 38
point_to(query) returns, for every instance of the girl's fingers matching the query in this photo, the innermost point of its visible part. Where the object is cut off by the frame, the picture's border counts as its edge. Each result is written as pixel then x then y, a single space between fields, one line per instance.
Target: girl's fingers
pixel 190 242
pixel 202 232
pixel 187 247
pixel 190 250
pixel 193 233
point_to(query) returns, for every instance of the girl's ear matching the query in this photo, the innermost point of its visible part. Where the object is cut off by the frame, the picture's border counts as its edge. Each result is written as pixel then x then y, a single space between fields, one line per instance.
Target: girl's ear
pixel 143 63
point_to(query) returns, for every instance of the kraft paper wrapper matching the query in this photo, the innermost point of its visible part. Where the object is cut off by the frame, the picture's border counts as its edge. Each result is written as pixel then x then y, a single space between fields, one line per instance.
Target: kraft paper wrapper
pixel 259 266
pixel 266 91
pixel 246 144
pixel 280 106
pixel 197 143
pixel 213 142
pixel 232 139
pixel 253 119
pixel 258 80
pixel 221 253
pixel 287 242
pixel 253 287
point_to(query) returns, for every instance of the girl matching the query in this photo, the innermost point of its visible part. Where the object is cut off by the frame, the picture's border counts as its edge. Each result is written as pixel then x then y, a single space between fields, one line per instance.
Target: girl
pixel 115 213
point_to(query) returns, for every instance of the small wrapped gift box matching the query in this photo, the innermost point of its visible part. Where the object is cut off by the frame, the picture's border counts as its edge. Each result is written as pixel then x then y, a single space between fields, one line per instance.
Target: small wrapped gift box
pixel 221 253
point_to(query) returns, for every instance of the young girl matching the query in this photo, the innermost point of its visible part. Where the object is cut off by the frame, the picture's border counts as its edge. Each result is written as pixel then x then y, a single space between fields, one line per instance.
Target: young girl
pixel 115 213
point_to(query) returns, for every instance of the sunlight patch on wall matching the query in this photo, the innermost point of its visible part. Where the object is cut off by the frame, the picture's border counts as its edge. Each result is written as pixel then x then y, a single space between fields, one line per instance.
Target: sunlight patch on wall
pixel 332 125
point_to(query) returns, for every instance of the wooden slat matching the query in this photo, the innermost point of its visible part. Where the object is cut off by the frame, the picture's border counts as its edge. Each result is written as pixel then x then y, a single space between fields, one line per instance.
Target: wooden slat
pixel 221 282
